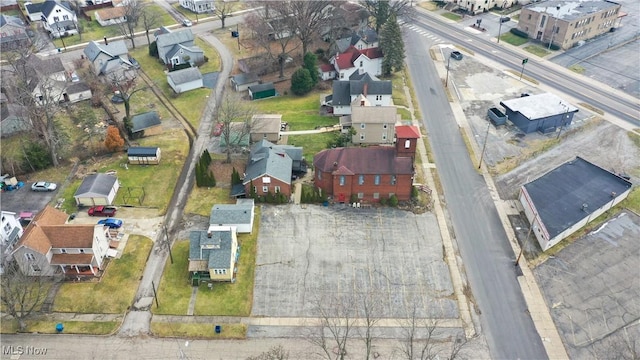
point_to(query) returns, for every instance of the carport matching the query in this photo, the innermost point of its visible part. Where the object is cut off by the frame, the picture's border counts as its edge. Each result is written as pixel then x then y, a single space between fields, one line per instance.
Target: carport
pixel 97 189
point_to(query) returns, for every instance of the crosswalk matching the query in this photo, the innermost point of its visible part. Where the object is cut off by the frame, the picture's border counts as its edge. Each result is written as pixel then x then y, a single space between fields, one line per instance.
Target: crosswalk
pixel 421 31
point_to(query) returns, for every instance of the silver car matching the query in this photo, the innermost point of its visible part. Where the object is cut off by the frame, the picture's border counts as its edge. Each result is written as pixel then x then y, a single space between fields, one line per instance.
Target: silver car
pixel 43 186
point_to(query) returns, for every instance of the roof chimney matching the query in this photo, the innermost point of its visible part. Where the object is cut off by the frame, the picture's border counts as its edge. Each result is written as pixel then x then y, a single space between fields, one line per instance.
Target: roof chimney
pixel 209 234
pixel 106 42
pixel 364 91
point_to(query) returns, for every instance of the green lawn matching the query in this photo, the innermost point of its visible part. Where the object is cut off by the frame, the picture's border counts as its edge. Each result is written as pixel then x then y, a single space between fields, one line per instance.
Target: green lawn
pixel 302 113
pixel 198 331
pixel 202 199
pixel 117 287
pixel 174 291
pixel 513 39
pixel 398 95
pixel 312 143
pixel 537 50
pixel 94 31
pixel 452 16
pixel 70 327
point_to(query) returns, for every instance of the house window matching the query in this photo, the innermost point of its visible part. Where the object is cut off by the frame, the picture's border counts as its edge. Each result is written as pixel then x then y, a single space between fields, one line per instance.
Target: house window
pixel 342 180
pixel 7 227
pixel 391 195
pixel 63 251
pixel 319 175
pixel 361 136
pixel 65 17
pixel 385 126
pixel 277 189
pixel 393 179
pixel 264 136
pixel 378 97
pixel 361 63
pixel 56 19
pixel 376 195
pixel 384 136
pixel 265 189
pixel 376 180
pixel 360 179
pixel 35 268
pixel 362 126
pixel 341 75
pixel 255 189
pixel 30 257
pixel 529 17
pixel 81 251
pixel 360 195
pixel 407 144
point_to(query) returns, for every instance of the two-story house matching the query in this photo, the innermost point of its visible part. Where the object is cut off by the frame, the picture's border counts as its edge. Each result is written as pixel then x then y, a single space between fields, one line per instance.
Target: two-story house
pixel 178 47
pixel 213 254
pixel 13 33
pixel 50 246
pixel 109 58
pixel 57 18
pixel 364 38
pixel 357 61
pixel 372 124
pixel 377 92
pixel 198 6
pixel 371 173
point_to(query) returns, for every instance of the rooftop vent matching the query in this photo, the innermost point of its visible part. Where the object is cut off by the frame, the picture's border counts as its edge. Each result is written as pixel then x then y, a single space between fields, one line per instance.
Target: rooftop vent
pixel 584 207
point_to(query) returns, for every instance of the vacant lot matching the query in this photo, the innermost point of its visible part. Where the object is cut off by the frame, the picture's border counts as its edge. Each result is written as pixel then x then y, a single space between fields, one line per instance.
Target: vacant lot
pixel 395 255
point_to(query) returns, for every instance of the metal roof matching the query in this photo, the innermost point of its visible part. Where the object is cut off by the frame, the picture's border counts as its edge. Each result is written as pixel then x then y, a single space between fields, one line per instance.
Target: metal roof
pixel 145 120
pixel 96 185
pixel 570 192
pixel 539 106
pixel 142 151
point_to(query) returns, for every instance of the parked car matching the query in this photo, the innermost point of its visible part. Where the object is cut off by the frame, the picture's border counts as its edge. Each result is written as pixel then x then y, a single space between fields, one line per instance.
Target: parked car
pixel 187 22
pixel 108 211
pixel 217 131
pixel 43 186
pixel 456 55
pixel 111 223
pixel 504 19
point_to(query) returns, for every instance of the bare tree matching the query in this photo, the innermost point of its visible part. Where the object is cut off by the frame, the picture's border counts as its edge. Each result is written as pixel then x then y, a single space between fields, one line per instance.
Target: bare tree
pixel 133 11
pixel 150 20
pixel 275 353
pixel 76 5
pixel 21 295
pixel 337 317
pixel 126 85
pixel 223 11
pixel 381 10
pixel 235 116
pixel 371 309
pixel 274 25
pixel 309 17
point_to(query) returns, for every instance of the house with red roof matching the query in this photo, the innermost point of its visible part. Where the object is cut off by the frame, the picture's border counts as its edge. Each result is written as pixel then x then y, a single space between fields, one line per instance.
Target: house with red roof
pixel 354 60
pixel 368 174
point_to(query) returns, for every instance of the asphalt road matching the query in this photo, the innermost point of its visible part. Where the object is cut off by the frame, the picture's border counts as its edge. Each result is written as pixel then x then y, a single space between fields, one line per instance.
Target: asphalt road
pixel 482 241
pixel 616 104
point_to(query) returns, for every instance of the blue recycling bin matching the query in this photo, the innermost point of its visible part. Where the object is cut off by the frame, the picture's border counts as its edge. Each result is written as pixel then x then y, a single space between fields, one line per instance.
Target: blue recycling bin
pixel 59 328
pixel 218 329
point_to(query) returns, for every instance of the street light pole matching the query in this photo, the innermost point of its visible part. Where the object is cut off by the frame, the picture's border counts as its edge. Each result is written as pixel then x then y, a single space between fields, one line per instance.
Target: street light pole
pixel 500 20
pixel 446 81
pixel 60 36
pixel 526 241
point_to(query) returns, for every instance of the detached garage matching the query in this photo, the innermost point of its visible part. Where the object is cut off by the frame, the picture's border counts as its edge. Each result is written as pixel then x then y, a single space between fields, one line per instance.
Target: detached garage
pixel 97 189
pixel 143 155
pixel 262 91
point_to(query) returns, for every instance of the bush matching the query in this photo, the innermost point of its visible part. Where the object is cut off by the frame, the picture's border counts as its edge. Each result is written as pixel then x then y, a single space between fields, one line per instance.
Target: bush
pixel 554 47
pixel 301 82
pixel 153 50
pixel 36 156
pixel 393 200
pixel 414 192
pixel 383 201
pixel 519 33
pixel 179 67
pixel 354 198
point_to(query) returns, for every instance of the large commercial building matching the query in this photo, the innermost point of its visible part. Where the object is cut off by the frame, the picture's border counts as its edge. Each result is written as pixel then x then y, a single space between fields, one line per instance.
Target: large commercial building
pixel 567 23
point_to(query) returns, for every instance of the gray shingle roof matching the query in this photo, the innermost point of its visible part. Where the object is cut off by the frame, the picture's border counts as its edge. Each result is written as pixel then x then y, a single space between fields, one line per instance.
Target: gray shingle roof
pixel 113 49
pixel 342 90
pixel 77 87
pixel 96 184
pixel 145 120
pixel 34 8
pixel 185 75
pixel 216 250
pixel 247 78
pixel 266 161
pixel 49 5
pixel 173 38
pixel 559 195
pixel 231 214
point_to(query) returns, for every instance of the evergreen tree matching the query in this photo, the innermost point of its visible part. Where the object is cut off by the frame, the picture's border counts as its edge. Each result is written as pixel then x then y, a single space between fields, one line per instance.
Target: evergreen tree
pixel 311 64
pixel 392 46
pixel 235 177
pixel 301 82
pixel 207 157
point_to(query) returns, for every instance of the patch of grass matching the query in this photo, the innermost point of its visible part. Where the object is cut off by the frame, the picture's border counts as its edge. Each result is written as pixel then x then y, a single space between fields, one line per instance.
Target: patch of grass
pixel 592 108
pixel 198 330
pixel 94 31
pixel 404 114
pixel 632 202
pixel 233 299
pixel 115 291
pixel 513 39
pixel 398 95
pixel 300 112
pixel 524 76
pixel 75 327
pixel 537 50
pixel 412 93
pixel 578 69
pixel 174 292
pixel 452 16
pixel 312 143
pixel 201 199
pixel 428 5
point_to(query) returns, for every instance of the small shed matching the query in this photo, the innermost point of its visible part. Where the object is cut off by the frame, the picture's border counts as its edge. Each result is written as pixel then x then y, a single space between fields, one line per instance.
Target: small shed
pixel 185 80
pixel 143 155
pixel 78 91
pixel 543 112
pixel 265 126
pixel 262 91
pixel 239 215
pixel 241 82
pixel 146 124
pixel 97 189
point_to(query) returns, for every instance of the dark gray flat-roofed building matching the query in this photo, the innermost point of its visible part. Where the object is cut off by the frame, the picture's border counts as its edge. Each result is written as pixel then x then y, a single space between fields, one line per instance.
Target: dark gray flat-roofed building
pixel 543 112
pixel 568 197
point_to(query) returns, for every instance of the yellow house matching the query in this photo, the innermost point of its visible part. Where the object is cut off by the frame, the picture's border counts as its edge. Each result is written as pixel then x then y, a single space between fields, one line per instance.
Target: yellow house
pixel 213 254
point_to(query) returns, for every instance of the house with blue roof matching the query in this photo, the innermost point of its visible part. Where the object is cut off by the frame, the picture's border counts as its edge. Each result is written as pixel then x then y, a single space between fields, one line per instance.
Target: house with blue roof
pixel 213 254
pixel 239 215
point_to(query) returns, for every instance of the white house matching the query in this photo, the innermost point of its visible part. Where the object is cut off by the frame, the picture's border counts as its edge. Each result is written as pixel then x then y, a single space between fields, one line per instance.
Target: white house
pixel 108 58
pixel 360 61
pixel 58 19
pixel 10 233
pixel 377 92
pixel 185 79
pixel 198 6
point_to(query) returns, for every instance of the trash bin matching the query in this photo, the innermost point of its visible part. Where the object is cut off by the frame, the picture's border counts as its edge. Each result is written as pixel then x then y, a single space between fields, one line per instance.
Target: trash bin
pixel 218 329
pixel 59 328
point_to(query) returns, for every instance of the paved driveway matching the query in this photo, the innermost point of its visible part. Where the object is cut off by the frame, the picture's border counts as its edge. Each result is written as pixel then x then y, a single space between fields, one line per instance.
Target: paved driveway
pixel 395 254
pixel 25 200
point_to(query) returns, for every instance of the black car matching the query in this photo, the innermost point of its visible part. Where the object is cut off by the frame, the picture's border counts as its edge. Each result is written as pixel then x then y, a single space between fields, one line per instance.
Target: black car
pixel 505 19
pixel 456 55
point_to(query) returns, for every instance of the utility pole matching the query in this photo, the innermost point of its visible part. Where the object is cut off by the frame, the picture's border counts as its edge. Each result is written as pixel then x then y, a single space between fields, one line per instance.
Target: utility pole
pixel 486 137
pixel 526 241
pixel 166 238
pixel 446 81
pixel 564 117
pixel 504 3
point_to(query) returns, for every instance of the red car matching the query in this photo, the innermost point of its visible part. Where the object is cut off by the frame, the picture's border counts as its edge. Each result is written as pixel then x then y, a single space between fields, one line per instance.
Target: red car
pixel 108 211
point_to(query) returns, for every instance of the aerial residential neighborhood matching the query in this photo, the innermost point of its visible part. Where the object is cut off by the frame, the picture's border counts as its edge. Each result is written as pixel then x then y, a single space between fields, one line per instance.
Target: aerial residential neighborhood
pixel 320 179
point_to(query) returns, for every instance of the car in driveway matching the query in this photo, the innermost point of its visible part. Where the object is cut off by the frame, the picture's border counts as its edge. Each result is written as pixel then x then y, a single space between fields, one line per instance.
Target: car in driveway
pixel 456 55
pixel 108 211
pixel 44 186
pixel 111 223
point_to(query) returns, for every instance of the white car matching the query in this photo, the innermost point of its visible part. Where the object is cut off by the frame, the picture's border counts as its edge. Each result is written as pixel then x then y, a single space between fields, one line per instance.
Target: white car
pixel 43 186
pixel 187 22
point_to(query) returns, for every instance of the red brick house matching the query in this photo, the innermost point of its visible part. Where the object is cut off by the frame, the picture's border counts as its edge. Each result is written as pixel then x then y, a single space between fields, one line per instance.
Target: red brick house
pixel 370 173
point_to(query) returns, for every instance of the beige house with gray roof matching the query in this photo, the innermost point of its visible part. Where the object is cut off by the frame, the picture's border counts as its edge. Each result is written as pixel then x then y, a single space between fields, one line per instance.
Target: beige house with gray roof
pixel 373 125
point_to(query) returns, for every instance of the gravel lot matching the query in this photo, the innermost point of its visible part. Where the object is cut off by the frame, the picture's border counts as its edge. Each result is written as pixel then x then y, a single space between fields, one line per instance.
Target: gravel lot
pixel 394 254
